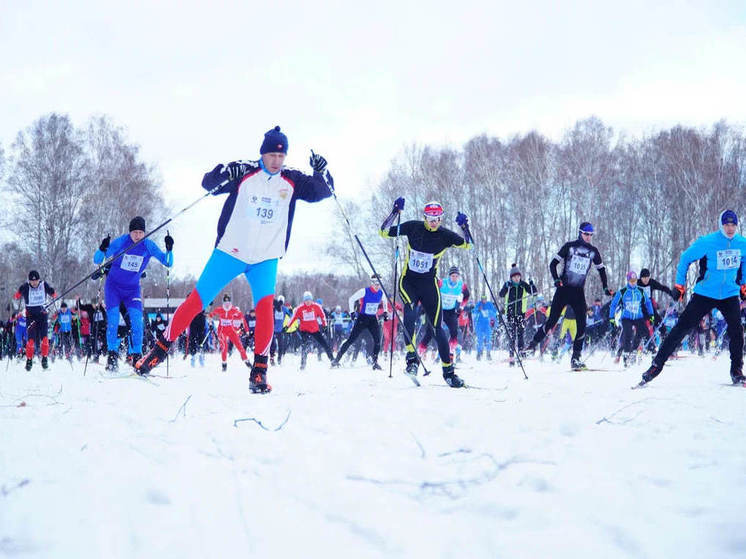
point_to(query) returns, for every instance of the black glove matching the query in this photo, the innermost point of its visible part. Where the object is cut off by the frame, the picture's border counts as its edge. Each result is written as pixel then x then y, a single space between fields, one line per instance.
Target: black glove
pixel 317 162
pixel 558 283
pixel 507 285
pixel 608 292
pixel 169 240
pixel 143 275
pixel 385 315
pixel 104 246
pixel 235 170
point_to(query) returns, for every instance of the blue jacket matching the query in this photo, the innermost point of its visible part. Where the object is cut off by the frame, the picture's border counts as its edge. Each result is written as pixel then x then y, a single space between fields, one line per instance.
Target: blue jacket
pixel 633 299
pixel 722 266
pixel 126 269
pixel 483 314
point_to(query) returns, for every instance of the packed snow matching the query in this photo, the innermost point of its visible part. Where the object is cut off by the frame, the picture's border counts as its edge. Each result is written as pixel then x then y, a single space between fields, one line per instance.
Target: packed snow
pixel 352 463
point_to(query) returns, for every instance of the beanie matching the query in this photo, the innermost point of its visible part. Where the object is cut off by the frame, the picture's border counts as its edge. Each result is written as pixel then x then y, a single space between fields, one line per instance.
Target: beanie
pixel 226 297
pixel 274 142
pixel 307 296
pixel 586 227
pixel 454 270
pixel 33 275
pixel 515 271
pixel 137 224
pixel 631 275
pixel 644 273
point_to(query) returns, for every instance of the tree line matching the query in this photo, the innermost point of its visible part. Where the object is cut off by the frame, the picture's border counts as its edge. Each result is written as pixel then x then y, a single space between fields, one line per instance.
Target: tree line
pixel 647 197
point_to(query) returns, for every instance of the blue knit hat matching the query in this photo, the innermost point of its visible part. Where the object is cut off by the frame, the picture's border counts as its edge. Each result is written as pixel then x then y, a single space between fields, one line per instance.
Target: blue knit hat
pixel 274 142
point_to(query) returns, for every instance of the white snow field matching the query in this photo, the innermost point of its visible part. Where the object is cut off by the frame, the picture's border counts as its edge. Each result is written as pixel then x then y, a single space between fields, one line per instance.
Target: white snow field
pixel 350 463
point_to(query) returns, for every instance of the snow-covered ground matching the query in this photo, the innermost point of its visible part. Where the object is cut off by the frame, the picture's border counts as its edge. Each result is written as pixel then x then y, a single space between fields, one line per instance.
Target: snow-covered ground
pixel 350 463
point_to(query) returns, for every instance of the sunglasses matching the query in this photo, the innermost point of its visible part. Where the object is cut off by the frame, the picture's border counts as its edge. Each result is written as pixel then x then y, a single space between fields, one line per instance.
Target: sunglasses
pixel 585 233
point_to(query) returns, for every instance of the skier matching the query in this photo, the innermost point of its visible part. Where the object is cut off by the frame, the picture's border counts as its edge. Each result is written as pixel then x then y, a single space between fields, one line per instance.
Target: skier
pixel 722 268
pixel 517 294
pixel 65 317
pixel 484 316
pixel 253 233
pixel 197 336
pixel 229 316
pixel 369 299
pixel 123 284
pixel 20 331
pixel 340 326
pixel 632 299
pixel 34 293
pixel 279 340
pixel 310 314
pixel 577 255
pixel 454 294
pixel 426 243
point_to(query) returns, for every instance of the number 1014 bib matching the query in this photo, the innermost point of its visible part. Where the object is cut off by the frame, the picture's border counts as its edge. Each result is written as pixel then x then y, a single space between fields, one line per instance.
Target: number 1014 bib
pixel 729 259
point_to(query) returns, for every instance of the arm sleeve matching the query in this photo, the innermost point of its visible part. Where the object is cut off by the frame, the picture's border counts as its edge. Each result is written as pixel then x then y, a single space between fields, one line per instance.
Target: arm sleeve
pixel 561 255
pixel 466 294
pixel 648 303
pixel 504 290
pixel 657 286
pixel 693 253
pixel 294 316
pixel 614 303
pixel 404 229
pixel 165 258
pixel 217 176
pixel 598 261
pixel 457 240
pixel 354 297
pixel 308 188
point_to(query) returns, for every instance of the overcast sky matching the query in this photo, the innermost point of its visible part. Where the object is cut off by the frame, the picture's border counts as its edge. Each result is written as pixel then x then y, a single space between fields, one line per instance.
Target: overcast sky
pixel 197 85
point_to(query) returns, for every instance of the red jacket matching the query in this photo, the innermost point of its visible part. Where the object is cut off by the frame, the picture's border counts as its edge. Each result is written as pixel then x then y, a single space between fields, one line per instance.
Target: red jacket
pixel 229 318
pixel 309 314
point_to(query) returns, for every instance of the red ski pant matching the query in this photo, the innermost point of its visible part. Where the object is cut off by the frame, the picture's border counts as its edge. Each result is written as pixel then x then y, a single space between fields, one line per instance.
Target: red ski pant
pixel 229 333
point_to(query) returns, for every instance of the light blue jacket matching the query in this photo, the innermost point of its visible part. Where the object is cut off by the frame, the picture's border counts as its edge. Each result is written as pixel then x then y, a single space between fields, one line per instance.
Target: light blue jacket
pixel 720 260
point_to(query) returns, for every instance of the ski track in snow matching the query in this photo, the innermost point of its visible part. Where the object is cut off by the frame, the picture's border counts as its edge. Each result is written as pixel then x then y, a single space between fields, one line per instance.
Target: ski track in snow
pixel 350 463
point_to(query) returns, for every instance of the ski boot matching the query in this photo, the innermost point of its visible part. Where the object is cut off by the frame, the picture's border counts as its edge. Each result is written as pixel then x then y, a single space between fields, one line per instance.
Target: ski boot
pixel 736 375
pixel 29 364
pixel 511 362
pixel 224 366
pixel 652 372
pixel 191 361
pixel 577 365
pixel 112 361
pixel 248 363
pixel 157 354
pixel 451 378
pixel 272 360
pixel 133 358
pixel 44 362
pixel 626 360
pixel 479 355
pixel 375 365
pixel 258 376
pixel 489 355
pixel 412 364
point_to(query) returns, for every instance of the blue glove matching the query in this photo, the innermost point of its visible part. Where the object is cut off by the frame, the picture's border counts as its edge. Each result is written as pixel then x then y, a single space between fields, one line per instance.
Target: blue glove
pixel 235 170
pixel 317 162
pixel 462 220
pixel 398 204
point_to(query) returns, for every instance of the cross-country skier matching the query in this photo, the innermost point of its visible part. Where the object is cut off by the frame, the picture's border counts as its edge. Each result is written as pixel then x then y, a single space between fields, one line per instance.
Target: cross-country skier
pixel 34 293
pixel 279 340
pixel 426 243
pixel 454 295
pixel 369 299
pixel 253 233
pixel 484 316
pixel 637 310
pixel 123 284
pixel 722 269
pixel 230 320
pixel 198 331
pixel 578 256
pixel 65 320
pixel 517 294
pixel 310 314
pixel 20 331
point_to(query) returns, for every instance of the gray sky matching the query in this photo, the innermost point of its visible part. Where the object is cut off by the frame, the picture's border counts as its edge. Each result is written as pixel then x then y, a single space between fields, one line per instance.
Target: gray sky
pixel 197 83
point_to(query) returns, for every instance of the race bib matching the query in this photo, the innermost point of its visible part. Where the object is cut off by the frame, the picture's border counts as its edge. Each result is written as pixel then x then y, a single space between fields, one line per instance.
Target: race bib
pixel 64 319
pixel 420 262
pixel 632 307
pixel 579 265
pixel 371 308
pixel 279 315
pixel 448 299
pixel 226 322
pixel 262 209
pixel 485 314
pixel 36 297
pixel 728 259
pixel 98 316
pixel 252 323
pixel 339 321
pixel 131 262
pixel 309 316
pixel 236 323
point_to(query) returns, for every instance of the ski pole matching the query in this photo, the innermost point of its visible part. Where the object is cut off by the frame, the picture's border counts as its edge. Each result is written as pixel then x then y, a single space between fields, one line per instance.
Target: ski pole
pixel 470 239
pixel 108 261
pixel 393 304
pixel 330 185
pixel 168 310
